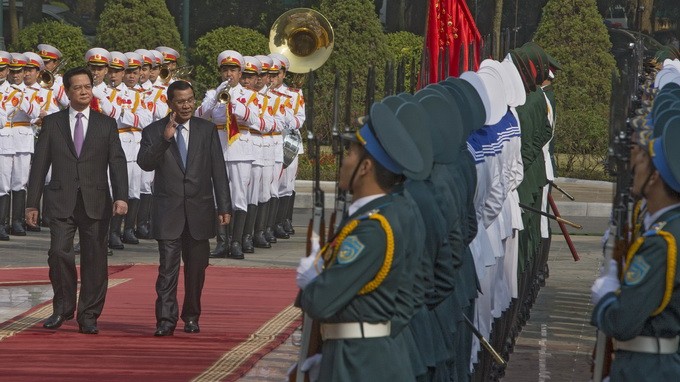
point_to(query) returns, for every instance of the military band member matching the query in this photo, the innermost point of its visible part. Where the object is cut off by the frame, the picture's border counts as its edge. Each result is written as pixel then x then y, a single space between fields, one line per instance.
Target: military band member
pixel 366 262
pixel 145 70
pixel 642 311
pixel 98 60
pixel 170 57
pixel 6 150
pixel 284 226
pixel 22 112
pixel 52 58
pixel 155 66
pixel 235 137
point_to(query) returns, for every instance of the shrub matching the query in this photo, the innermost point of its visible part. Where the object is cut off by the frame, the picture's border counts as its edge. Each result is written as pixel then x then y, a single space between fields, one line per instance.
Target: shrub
pixel 406 47
pixel 67 38
pixel 126 25
pixel 583 87
pixel 204 56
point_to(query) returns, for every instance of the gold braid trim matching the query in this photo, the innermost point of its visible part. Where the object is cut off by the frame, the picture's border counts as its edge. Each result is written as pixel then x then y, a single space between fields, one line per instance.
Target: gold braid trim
pixel 670 267
pixel 389 256
pixel 636 218
pixel 346 230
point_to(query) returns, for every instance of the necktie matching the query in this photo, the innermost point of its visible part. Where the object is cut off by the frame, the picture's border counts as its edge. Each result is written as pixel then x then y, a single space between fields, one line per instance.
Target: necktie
pixel 182 145
pixel 78 134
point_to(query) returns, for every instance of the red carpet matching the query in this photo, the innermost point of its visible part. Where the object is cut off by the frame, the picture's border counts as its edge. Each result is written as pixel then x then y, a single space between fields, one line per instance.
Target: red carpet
pixel 246 314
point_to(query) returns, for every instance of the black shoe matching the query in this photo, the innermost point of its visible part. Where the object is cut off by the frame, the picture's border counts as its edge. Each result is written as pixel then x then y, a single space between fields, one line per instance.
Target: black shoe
pixel 88 329
pixel 3 233
pixel 32 229
pixel 248 244
pixel 235 251
pixel 143 232
pixel 114 241
pixel 18 228
pixel 259 240
pixel 109 253
pixel 129 236
pixel 279 232
pixel 56 320
pixel 220 251
pixel 45 222
pixel 288 227
pixel 269 235
pixel 192 327
pixel 164 331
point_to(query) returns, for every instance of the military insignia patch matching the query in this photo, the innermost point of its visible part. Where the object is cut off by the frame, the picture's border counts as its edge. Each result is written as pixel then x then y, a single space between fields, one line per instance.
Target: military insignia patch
pixel 637 271
pixel 350 249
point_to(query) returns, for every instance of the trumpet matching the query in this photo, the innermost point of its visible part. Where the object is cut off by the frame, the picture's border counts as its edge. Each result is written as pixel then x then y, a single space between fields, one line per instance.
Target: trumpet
pixel 46 77
pixel 166 75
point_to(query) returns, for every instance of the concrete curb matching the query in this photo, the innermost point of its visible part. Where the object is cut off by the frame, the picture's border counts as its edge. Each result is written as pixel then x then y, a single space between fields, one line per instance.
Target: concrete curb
pixel 304 200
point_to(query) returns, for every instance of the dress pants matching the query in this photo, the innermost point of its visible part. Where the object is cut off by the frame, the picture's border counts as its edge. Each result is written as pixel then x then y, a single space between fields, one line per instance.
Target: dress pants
pixel 194 254
pixel 93 264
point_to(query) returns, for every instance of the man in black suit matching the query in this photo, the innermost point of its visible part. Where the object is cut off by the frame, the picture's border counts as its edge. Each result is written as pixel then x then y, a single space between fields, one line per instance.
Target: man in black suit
pixel 80 144
pixel 185 152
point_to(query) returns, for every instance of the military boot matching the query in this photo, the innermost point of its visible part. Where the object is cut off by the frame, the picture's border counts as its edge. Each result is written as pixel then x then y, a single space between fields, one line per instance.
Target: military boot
pixel 235 250
pixel 129 232
pixel 222 247
pixel 288 220
pixel 18 212
pixel 144 217
pixel 281 212
pixel 259 240
pixel 247 239
pixel 4 210
pixel 114 232
pixel 271 220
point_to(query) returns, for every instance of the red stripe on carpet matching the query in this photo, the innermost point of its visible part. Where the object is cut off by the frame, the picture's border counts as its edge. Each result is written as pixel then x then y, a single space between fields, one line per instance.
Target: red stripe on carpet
pixel 236 302
pixel 39 275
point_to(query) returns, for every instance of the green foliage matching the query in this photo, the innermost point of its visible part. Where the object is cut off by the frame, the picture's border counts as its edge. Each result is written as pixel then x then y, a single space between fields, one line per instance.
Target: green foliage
pixel 67 38
pixel 126 25
pixel 408 47
pixel 246 41
pixel 359 43
pixel 583 87
pixel 327 161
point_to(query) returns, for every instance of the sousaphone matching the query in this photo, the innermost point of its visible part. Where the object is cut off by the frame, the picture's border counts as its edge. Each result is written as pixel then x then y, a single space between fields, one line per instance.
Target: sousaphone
pixel 306 38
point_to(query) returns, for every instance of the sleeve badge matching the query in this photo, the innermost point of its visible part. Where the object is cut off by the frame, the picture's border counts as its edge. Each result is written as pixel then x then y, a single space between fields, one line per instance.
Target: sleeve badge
pixel 637 271
pixel 350 249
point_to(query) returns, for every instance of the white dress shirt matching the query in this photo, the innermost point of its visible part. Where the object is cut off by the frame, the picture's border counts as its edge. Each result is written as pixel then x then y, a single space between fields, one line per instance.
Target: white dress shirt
pixel 185 133
pixel 357 204
pixel 72 120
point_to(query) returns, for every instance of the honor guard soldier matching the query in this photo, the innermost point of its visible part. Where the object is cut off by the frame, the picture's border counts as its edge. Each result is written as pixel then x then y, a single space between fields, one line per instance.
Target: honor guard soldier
pixel 642 310
pixel 98 60
pixel 6 150
pixel 52 58
pixel 22 112
pixel 365 263
pixel 170 57
pixel 133 117
pixel 235 136
pixel 287 180
pixel 145 70
pixel 257 195
pixel 155 66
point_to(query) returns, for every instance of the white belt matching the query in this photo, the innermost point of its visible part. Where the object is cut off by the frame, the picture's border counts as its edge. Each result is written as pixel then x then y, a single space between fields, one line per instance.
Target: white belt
pixel 349 330
pixel 654 345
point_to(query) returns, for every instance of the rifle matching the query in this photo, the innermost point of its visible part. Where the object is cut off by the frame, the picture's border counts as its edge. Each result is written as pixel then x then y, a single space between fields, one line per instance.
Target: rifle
pixel 389 78
pixel 564 230
pixel 565 193
pixel 401 76
pixel 550 216
pixel 338 150
pixel 370 89
pixel 625 96
pixel 311 331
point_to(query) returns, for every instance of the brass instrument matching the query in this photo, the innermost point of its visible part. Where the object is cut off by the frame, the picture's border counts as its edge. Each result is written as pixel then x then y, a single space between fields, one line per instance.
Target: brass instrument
pixel 46 77
pixel 225 99
pixel 304 36
pixel 181 73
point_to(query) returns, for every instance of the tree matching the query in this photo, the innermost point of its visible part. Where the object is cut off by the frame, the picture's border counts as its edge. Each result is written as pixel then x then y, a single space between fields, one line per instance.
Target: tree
pixel 32 12
pixel 126 25
pixel 67 38
pixel 13 22
pixel 246 41
pixel 359 43
pixel 406 47
pixel 583 87
pixel 497 20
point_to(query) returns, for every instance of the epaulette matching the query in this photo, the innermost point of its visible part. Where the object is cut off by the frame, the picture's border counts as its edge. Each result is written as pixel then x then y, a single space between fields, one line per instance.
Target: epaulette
pixel 295 90
pixel 278 93
pixel 654 230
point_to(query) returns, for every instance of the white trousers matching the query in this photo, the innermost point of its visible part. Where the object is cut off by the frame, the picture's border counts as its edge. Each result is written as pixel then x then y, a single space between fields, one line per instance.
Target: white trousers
pixel 255 185
pixel 147 182
pixel 266 184
pixel 6 173
pixel 287 184
pixel 239 179
pixel 21 167
pixel 134 180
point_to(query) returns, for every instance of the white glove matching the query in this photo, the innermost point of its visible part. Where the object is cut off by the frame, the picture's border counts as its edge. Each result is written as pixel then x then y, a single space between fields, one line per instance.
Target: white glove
pixel 238 109
pixel 222 86
pixel 607 282
pixel 98 92
pixel 312 365
pixel 306 271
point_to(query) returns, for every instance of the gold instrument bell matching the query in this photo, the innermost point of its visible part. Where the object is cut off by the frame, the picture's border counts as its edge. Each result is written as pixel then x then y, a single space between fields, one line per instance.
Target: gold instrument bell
pixel 304 36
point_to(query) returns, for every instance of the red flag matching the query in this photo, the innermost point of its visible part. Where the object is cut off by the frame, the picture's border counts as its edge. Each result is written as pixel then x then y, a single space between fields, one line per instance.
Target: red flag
pixel 231 126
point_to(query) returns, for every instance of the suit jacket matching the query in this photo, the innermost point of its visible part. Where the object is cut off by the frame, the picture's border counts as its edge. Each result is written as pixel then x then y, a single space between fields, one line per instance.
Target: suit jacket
pixel 101 151
pixel 180 195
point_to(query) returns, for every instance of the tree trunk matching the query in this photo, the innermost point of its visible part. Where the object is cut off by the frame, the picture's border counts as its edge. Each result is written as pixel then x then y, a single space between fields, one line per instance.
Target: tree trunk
pixel 497 21
pixel 647 21
pixel 394 16
pixel 13 23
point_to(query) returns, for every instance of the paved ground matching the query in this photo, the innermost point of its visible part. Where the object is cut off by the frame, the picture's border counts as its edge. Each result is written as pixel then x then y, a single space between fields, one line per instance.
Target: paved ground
pixel 555 344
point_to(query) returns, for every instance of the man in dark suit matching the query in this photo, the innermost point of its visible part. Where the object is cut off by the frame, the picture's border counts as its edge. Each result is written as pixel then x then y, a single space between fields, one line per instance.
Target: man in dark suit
pixel 80 144
pixel 185 152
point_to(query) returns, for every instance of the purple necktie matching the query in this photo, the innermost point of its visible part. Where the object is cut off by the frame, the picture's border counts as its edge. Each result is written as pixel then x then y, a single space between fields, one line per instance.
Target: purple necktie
pixel 78 134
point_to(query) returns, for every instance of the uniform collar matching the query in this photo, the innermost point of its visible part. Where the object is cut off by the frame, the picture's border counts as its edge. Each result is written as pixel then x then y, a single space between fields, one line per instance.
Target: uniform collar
pixel 651 219
pixel 361 202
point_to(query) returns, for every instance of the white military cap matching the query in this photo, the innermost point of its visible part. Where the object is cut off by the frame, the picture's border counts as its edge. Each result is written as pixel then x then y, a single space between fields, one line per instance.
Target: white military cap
pixel 169 54
pixel 98 57
pixel 252 65
pixel 34 60
pixel 158 57
pixel 48 52
pixel 147 57
pixel 266 62
pixel 18 61
pixel 496 90
pixel 514 78
pixel 230 57
pixel 285 64
pixel 118 61
pixel 276 65
pixel 5 59
pixel 134 60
